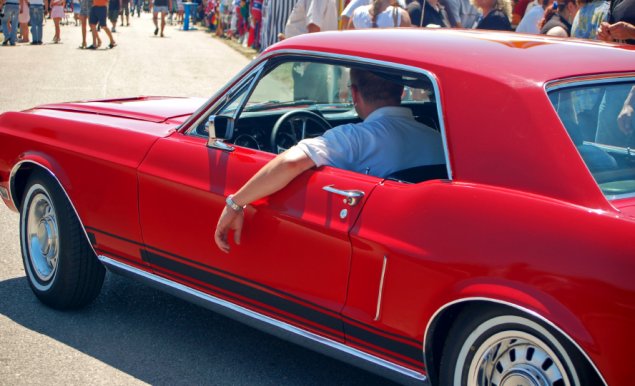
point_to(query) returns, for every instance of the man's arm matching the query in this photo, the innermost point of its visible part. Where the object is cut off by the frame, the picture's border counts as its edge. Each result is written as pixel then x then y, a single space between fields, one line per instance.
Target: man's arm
pixel 274 176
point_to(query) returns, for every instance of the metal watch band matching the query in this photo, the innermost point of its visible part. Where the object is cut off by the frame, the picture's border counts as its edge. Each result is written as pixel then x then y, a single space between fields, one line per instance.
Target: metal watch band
pixel 232 204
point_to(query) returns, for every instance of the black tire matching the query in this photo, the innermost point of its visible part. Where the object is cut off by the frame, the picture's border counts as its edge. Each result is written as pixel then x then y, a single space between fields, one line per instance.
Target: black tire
pixel 498 346
pixel 60 266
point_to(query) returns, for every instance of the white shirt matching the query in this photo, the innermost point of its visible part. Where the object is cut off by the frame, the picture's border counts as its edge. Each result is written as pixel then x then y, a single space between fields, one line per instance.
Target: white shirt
pixel 322 13
pixel 529 23
pixel 354 4
pixel 391 17
pixel 388 140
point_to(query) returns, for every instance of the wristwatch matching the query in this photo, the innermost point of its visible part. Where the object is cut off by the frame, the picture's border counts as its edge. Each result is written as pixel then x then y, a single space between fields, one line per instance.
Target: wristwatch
pixel 232 204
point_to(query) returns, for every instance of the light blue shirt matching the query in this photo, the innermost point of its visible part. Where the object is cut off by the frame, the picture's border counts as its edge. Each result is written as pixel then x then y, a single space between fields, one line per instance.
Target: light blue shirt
pixel 388 140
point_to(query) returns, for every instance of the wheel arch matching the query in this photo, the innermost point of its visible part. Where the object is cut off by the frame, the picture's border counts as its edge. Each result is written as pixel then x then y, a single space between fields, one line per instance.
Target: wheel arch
pixel 441 322
pixel 20 174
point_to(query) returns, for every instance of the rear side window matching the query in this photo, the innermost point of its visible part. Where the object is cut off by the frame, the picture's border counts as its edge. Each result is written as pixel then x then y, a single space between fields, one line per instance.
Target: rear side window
pixel 600 120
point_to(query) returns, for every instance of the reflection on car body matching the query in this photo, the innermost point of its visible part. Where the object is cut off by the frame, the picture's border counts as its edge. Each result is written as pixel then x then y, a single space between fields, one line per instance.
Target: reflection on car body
pixel 513 261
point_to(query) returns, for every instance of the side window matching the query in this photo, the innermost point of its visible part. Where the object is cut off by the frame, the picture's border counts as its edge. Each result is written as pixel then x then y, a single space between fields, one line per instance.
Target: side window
pixel 598 121
pixel 295 100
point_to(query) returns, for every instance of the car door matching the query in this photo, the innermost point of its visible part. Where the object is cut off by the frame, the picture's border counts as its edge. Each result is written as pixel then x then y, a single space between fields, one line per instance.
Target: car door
pixel 294 257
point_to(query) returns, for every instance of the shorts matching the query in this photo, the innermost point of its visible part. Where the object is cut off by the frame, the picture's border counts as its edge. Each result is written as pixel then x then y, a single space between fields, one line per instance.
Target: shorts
pixel 160 9
pixel 85 6
pixel 113 14
pixel 98 15
pixel 57 12
pixel 77 8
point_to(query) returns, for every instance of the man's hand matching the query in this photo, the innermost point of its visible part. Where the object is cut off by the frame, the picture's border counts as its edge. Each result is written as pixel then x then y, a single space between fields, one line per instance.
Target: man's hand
pixel 622 31
pixel 230 219
pixel 603 32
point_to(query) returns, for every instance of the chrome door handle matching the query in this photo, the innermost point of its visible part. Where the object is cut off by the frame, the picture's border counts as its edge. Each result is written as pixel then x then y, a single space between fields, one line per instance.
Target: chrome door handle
pixel 351 197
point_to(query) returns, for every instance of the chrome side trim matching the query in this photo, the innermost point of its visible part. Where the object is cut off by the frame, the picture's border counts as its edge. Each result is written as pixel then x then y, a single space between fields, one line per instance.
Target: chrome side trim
pixel 511 305
pixel 14 171
pixel 381 288
pixel 270 325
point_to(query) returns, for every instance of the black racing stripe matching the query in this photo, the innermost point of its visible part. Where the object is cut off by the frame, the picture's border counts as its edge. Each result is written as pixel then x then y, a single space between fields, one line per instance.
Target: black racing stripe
pixel 246 302
pixel 418 366
pixel 115 236
pixel 290 317
pixel 286 305
pixel 144 258
pixel 413 353
pixel 382 332
pixel 247 291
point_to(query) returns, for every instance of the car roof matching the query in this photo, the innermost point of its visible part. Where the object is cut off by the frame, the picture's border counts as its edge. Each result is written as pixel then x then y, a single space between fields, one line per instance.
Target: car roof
pixel 503 56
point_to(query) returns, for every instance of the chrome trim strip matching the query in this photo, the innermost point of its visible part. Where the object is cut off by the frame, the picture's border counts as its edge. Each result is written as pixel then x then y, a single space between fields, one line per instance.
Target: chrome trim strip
pixel 517 307
pixel 270 325
pixel 15 169
pixel 380 293
pixel 264 58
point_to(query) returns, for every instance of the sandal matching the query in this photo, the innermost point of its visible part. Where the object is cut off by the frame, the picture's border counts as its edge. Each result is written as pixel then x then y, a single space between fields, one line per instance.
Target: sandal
pixel 82 46
pixel 112 45
pixel 92 47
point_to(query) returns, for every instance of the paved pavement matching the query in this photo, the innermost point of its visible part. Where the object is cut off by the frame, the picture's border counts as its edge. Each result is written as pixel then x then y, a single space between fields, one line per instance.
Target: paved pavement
pixel 132 334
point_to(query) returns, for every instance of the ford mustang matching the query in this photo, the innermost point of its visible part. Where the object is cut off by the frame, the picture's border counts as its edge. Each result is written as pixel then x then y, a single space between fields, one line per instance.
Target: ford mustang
pixel 510 263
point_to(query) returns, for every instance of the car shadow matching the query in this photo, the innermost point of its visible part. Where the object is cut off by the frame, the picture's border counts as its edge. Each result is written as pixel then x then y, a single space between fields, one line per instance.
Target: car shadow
pixel 160 339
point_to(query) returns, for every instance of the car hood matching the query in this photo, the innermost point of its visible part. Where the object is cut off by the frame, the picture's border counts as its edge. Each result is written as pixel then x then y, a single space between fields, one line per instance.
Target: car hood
pixel 149 109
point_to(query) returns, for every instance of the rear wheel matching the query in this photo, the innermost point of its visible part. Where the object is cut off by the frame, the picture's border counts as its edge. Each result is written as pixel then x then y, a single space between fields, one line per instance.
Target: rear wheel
pixel 60 266
pixel 494 347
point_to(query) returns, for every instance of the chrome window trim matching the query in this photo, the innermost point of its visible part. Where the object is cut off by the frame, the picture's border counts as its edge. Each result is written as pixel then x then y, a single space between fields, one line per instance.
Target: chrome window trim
pixel 511 305
pixel 268 324
pixel 593 81
pixel 14 171
pixel 265 58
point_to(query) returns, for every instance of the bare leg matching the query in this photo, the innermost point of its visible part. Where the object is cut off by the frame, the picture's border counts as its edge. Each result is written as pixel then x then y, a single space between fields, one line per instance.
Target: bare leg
pixel 162 22
pixel 56 38
pixel 112 41
pixel 83 20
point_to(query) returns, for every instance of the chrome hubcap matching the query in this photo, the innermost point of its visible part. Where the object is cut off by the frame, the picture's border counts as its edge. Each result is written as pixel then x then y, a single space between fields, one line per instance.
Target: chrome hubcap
pixel 42 236
pixel 515 358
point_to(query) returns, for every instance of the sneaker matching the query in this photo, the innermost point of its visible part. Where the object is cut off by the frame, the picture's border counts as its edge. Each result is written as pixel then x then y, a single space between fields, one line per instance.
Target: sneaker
pixel 6 42
pixel 156 31
pixel 114 29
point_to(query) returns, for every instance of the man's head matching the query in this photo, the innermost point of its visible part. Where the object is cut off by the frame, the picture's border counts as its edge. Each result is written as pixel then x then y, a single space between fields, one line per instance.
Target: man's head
pixel 371 92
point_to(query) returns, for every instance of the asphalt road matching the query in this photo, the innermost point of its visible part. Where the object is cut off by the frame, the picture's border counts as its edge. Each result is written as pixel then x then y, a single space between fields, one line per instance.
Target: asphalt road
pixel 132 334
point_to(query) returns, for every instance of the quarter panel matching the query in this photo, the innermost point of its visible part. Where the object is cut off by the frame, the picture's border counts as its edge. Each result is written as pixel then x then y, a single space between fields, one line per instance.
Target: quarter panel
pixel 447 241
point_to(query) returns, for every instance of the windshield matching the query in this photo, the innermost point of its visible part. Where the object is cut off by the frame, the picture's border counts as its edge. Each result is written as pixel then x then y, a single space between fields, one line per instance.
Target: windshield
pixel 600 120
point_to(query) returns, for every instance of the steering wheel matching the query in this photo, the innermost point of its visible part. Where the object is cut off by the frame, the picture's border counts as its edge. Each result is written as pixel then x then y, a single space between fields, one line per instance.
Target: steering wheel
pixel 294 126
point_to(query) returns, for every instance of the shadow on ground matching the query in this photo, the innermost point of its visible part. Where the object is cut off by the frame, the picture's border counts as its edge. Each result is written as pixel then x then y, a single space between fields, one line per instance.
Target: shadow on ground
pixel 160 339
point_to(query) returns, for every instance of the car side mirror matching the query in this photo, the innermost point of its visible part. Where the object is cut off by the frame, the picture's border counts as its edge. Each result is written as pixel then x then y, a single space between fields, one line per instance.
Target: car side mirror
pixel 220 128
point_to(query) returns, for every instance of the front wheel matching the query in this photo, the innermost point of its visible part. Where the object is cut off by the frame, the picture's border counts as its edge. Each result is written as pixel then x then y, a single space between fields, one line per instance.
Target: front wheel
pixel 491 347
pixel 60 266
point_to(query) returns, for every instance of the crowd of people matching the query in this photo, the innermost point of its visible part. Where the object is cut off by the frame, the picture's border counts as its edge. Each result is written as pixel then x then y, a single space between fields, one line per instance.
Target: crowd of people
pixel 260 23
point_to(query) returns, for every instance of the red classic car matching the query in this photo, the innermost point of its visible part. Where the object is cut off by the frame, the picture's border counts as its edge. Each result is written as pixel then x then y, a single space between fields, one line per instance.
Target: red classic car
pixel 513 262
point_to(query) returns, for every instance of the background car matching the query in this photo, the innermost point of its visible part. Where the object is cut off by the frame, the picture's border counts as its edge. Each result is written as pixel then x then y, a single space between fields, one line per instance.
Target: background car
pixel 510 262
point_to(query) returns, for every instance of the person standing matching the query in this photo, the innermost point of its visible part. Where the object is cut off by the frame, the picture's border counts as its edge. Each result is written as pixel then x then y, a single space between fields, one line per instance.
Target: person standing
pixel 98 14
pixel 379 14
pixel 496 14
pixel 434 14
pixel 162 7
pixel 310 16
pixel 36 13
pixel 125 12
pixel 558 18
pixel 274 17
pixel 620 24
pixel 23 19
pixel 10 22
pixel 589 18
pixel 57 13
pixel 114 6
